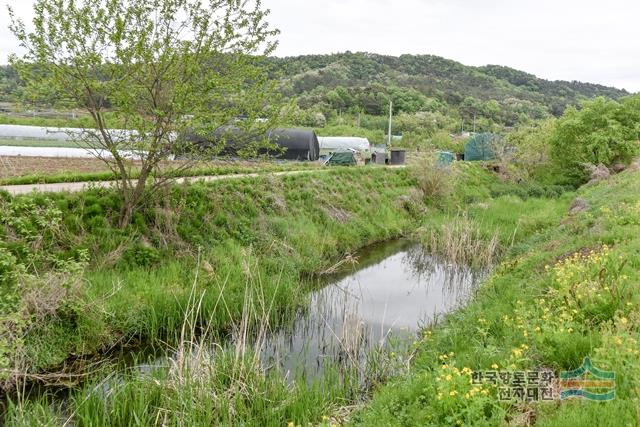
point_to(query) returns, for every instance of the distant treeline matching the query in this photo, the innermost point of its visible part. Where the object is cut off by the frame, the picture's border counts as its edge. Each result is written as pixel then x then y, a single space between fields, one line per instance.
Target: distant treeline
pixel 442 94
pixel 364 83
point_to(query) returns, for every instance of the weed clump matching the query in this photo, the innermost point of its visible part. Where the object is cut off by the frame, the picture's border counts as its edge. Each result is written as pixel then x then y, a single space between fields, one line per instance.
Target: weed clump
pixel 436 181
pixel 461 241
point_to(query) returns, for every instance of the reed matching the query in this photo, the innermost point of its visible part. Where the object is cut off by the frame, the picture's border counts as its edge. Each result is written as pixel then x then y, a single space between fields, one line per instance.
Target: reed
pixel 461 241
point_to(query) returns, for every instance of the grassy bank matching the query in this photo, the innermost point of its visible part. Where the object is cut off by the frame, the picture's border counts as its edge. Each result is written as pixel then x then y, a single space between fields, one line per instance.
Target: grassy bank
pixel 567 289
pixel 253 239
pixel 74 284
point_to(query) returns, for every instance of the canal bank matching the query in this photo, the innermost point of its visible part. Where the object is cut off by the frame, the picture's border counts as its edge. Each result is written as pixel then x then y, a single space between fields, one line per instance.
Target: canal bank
pixel 239 279
pixel 355 328
pixel 76 286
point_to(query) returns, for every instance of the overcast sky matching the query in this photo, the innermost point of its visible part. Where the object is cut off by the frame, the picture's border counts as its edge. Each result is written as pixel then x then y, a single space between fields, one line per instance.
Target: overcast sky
pixel 589 40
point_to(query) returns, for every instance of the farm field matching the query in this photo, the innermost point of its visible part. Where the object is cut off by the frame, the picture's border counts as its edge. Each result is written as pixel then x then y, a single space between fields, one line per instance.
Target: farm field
pixel 19 166
pixel 22 170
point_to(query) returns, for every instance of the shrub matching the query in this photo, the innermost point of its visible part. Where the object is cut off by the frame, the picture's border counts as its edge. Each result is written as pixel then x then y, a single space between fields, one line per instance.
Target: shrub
pixel 602 132
pixel 435 181
pixel 142 256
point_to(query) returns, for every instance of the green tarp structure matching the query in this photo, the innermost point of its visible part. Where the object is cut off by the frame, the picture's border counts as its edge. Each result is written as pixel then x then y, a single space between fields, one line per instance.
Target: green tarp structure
pixel 445 158
pixel 480 147
pixel 342 158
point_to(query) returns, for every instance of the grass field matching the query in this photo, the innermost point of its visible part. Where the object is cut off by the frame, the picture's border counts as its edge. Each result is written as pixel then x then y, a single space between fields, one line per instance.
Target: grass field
pixel 566 290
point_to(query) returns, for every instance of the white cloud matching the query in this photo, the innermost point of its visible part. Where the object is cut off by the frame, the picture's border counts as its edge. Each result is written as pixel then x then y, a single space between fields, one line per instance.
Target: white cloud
pixel 587 40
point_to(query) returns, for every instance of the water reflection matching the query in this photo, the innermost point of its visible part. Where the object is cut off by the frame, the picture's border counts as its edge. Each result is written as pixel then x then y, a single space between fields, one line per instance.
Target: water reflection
pixel 361 309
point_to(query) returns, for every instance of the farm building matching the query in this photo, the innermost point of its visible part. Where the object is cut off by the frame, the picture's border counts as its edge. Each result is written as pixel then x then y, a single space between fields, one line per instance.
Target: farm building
pixel 295 144
pixel 299 144
pixel 345 157
pixel 41 133
pixel 480 147
pixel 445 158
pixel 330 144
pixel 37 133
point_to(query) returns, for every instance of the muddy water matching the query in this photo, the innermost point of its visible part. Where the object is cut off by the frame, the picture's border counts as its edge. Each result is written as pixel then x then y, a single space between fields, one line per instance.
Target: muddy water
pixel 393 290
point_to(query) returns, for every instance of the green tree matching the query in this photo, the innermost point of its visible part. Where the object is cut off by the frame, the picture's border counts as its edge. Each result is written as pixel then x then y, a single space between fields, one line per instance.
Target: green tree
pixel 532 148
pixel 154 69
pixel 601 132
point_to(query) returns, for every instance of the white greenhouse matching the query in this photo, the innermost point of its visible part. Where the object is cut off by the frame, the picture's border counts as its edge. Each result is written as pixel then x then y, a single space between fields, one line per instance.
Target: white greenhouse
pixel 330 144
pixel 37 132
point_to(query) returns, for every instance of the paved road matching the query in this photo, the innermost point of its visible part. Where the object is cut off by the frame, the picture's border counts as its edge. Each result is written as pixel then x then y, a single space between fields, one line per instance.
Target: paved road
pixel 80 186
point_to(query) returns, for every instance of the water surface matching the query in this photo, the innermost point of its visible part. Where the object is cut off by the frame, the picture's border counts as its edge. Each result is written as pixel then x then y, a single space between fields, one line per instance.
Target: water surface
pixel 393 290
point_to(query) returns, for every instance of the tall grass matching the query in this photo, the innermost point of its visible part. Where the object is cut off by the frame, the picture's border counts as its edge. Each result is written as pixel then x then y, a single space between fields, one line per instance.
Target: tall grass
pixel 136 286
pixel 208 382
pixel 436 181
pixel 461 241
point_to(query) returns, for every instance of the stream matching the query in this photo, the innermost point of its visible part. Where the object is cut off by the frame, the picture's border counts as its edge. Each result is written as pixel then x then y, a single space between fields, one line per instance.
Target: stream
pixel 383 297
pixel 394 289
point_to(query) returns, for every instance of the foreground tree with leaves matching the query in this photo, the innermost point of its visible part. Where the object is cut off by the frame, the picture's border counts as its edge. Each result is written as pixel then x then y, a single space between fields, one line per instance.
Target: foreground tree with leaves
pixel 601 132
pixel 148 72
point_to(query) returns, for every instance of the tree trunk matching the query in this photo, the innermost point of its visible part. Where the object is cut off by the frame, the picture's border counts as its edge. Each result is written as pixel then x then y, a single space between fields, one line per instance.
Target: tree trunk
pixel 126 214
pixel 132 195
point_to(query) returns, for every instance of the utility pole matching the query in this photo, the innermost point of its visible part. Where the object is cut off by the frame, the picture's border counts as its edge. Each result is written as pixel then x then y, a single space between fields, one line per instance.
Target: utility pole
pixel 390 118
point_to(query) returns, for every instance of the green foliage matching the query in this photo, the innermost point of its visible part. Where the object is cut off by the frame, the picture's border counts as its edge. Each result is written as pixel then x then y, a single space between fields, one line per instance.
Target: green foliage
pixel 565 290
pixel 135 65
pixel 288 221
pixel 362 82
pixel 601 132
pixel 532 149
pixel 10 85
pixel 424 88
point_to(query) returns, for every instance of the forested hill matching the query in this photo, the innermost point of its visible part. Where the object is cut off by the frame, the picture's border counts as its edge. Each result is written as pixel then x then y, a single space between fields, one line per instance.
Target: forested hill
pixel 352 81
pixel 439 90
